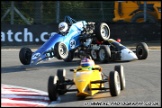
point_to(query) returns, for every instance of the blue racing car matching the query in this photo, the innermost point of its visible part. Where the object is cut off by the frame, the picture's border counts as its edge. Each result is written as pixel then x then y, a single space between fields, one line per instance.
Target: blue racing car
pixel 72 35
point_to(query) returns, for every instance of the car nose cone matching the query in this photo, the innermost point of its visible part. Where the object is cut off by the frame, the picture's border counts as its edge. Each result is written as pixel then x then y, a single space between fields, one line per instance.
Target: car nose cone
pixel 128 55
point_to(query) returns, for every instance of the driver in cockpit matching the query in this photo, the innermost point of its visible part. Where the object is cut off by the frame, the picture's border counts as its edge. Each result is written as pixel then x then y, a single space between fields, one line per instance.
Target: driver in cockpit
pixel 63 28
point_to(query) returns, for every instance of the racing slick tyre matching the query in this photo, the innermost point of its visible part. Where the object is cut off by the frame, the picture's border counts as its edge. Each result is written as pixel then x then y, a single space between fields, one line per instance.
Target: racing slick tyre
pixel 94 54
pixel 104 54
pixel 61 50
pixel 102 31
pixel 120 70
pixel 69 57
pixel 142 50
pixel 52 88
pixel 114 83
pixel 25 55
pixel 56 51
pixel 81 97
pixel 61 73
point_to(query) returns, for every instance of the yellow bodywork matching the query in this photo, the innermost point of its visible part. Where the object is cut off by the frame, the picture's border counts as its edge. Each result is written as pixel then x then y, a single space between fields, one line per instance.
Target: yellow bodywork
pixel 83 79
pixel 123 10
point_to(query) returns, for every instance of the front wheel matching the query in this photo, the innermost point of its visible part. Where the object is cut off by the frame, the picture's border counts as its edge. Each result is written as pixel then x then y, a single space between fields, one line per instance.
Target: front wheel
pixel 25 55
pixel 52 88
pixel 104 54
pixel 114 83
pixel 61 73
pixel 94 54
pixel 120 70
pixel 142 50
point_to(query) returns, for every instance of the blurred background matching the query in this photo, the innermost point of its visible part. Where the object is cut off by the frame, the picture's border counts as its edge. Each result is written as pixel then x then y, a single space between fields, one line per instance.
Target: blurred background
pixel 123 17
pixel 46 12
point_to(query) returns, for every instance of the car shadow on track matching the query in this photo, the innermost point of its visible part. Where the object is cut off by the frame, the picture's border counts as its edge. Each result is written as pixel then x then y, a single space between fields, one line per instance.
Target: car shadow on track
pixel 58 64
pixel 71 97
pixel 113 62
pixel 45 65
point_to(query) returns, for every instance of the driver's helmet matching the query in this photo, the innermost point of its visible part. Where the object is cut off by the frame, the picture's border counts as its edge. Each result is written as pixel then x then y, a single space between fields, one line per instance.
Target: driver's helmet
pixel 63 27
pixel 87 64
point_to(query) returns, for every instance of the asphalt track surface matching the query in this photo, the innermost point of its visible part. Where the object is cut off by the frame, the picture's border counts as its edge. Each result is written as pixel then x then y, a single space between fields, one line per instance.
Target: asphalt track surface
pixel 143 80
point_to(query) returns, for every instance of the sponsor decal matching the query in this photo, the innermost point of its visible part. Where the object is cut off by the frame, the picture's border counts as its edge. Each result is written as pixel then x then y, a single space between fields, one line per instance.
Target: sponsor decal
pixel 14 36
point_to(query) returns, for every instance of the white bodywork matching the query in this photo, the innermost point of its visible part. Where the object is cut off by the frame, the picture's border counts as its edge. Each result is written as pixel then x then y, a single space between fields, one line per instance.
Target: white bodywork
pixel 128 55
pixel 125 53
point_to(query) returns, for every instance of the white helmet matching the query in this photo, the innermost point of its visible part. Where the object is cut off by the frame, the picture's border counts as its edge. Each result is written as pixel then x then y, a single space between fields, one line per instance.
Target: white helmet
pixel 63 27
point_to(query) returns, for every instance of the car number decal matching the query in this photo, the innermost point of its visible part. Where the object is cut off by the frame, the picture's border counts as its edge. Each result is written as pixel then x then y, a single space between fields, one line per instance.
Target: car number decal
pixel 35 56
pixel 72 44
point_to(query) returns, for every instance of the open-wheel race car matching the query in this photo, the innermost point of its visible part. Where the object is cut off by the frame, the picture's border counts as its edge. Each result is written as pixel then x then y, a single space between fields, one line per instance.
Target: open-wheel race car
pixel 112 50
pixel 62 45
pixel 88 81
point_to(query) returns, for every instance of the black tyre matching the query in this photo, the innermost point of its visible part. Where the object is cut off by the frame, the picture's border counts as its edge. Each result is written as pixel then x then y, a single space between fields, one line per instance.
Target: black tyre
pixel 25 55
pixel 61 73
pixel 139 18
pixel 142 50
pixel 56 51
pixel 102 31
pixel 52 88
pixel 61 50
pixel 94 54
pixel 69 57
pixel 81 97
pixel 114 83
pixel 120 70
pixel 104 54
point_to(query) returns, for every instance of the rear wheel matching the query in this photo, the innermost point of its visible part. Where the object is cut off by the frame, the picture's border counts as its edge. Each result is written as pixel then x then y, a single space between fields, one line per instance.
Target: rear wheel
pixel 114 83
pixel 61 50
pixel 52 88
pixel 69 57
pixel 104 54
pixel 142 50
pixel 102 31
pixel 25 55
pixel 120 70
pixel 61 73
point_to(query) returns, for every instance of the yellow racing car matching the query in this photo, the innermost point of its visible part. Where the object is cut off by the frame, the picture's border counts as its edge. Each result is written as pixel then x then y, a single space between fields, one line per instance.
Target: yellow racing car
pixel 88 80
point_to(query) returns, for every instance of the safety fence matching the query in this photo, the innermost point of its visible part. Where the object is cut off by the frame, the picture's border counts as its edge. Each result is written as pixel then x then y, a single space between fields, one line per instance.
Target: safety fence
pixel 47 12
pixel 32 22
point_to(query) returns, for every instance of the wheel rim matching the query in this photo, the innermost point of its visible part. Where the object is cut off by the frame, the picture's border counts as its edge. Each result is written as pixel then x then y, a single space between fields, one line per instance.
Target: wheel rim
pixel 123 79
pixel 62 50
pixel 102 54
pixel 55 80
pixel 118 84
pixel 105 32
pixel 94 54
